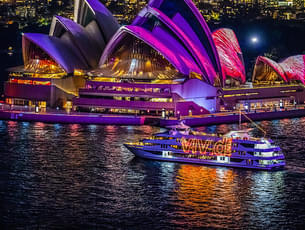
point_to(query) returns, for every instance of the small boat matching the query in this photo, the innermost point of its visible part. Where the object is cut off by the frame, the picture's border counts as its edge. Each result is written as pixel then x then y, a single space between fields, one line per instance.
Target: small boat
pixel 234 149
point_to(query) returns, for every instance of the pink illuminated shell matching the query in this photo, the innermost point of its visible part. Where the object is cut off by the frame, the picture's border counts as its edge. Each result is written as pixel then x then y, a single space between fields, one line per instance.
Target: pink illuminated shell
pixel 294 67
pixel 229 53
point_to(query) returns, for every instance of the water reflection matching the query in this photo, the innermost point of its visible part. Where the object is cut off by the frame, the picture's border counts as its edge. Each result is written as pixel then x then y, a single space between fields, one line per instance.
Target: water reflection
pixel 12 127
pixel 57 176
pixel 267 195
pixel 206 193
pixel 211 196
pixel 167 173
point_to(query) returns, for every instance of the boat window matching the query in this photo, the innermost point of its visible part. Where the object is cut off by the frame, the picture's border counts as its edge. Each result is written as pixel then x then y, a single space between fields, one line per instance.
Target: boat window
pixel 236 160
pixel 155 152
pixel 247 145
pixel 150 144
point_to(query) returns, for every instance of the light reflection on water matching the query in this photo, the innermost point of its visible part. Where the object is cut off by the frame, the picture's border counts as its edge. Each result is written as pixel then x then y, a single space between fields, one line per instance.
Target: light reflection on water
pixel 75 176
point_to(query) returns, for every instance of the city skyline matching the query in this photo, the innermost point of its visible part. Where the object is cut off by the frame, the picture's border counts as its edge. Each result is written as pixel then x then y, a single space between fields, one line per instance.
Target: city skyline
pixel 41 11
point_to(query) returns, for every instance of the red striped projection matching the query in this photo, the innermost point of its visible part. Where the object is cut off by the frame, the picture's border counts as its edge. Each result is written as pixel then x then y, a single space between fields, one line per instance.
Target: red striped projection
pixel 294 68
pixel 229 53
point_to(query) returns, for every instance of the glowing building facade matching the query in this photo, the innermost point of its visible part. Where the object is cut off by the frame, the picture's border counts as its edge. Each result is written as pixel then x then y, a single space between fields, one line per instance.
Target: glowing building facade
pixel 274 85
pixel 53 62
pixel 166 62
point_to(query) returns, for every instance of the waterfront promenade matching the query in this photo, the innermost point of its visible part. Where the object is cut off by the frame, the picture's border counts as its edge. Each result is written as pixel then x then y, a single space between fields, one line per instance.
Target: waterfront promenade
pixel 20 113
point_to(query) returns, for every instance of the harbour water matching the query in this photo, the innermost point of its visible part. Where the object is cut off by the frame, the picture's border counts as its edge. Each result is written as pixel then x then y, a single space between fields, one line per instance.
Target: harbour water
pixel 81 177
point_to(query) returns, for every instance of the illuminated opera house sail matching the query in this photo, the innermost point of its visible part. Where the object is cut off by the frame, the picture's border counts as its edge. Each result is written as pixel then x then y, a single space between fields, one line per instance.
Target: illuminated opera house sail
pixel 167 61
pixel 74 44
pixel 291 69
pixel 50 61
pixel 275 85
pixel 231 58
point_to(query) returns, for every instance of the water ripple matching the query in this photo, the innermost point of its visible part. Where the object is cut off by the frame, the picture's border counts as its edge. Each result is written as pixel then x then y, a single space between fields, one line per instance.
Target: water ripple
pixel 82 177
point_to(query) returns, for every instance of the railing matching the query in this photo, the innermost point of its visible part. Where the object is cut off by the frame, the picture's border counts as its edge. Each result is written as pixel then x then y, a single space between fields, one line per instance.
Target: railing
pixel 257 154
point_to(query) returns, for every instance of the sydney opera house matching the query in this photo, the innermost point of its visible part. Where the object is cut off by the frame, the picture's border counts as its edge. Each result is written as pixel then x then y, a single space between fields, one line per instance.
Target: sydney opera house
pixel 166 61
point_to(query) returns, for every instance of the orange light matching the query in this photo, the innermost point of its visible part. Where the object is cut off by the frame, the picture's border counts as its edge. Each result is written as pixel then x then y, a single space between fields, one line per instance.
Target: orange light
pixel 222 147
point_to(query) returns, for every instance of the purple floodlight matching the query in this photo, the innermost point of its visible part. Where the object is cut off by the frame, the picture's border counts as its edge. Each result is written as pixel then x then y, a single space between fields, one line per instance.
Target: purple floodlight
pixel 199 92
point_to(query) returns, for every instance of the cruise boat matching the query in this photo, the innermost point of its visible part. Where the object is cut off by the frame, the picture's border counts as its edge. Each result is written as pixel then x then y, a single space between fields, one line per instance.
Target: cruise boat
pixel 234 149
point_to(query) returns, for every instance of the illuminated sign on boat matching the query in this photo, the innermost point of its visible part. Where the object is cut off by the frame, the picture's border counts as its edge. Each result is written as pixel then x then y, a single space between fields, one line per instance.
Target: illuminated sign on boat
pixel 222 147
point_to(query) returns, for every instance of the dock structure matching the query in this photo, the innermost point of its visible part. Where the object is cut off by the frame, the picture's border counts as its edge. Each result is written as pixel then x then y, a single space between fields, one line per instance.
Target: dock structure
pixel 113 119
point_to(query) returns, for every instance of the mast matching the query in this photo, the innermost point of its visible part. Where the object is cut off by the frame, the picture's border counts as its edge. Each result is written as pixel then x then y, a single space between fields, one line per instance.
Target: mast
pixel 239 119
pixel 259 127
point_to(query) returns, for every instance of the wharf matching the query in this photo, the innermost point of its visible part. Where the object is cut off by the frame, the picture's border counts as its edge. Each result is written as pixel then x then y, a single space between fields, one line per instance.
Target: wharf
pixel 71 118
pixel 17 114
pixel 230 118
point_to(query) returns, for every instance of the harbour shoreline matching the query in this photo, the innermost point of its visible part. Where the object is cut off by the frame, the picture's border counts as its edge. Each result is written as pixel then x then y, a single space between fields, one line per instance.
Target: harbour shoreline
pixel 112 119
